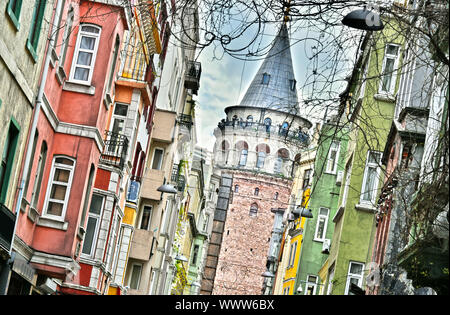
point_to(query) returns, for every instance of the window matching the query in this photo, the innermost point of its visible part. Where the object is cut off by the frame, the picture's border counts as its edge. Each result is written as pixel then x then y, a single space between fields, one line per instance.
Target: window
pixel 58 189
pixel 261 159
pixel 284 128
pixel 286 290
pixel 321 226
pixel 9 151
pixel 390 64
pixel 330 280
pixel 113 65
pixel 157 159
pixel 253 210
pixel 119 116
pixel 243 157
pixel 146 216
pixel 205 222
pixel 39 173
pixel 278 164
pixel 13 10
pixel 87 194
pixel 236 188
pixel 292 254
pixel 135 278
pixel 307 178
pixel 85 54
pixel 267 123
pixel 311 285
pixel 333 156
pixel 66 37
pixel 36 23
pixel 370 180
pixel 275 196
pixel 355 276
pixel 195 254
pixel 256 193
pixel 93 224
pixel 292 85
pixel 265 79
pixel 249 120
pixel 348 174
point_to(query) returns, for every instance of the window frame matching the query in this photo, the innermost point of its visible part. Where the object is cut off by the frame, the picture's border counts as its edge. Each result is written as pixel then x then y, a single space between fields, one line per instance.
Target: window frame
pixel 35 27
pixel 391 89
pixel 365 177
pixel 265 79
pixel 252 213
pixel 139 277
pixel 14 15
pixel 352 275
pixel 160 162
pixel 292 254
pixel 313 284
pixel 333 170
pixel 243 157
pixel 324 233
pixel 98 218
pixel 50 182
pixel 76 53
pixel 149 219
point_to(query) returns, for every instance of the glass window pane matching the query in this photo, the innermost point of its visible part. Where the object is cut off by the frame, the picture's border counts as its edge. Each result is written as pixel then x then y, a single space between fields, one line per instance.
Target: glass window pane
pixel 323 211
pixel 121 110
pixel 392 50
pixel 370 183
pixel 64 161
pixel 81 74
pixel 96 204
pixel 320 228
pixel 89 237
pixel 61 175
pixel 54 208
pixel 84 58
pixel 356 269
pixel 87 43
pixel 157 158
pixel 58 192
pixel 135 276
pixel 146 218
pixel 90 29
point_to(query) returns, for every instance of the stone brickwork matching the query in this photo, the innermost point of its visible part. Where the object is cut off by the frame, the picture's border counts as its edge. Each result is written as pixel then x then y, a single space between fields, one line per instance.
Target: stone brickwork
pixel 246 237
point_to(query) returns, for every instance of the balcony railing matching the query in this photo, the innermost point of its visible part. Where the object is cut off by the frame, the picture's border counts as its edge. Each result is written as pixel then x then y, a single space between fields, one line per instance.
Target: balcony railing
pixel 115 149
pixel 177 178
pixel 192 77
pixel 7 220
pixel 185 120
pixel 293 135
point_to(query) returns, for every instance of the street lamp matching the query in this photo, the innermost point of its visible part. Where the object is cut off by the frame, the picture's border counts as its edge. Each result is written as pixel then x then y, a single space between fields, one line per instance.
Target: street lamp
pixel 268 274
pixel 181 258
pixel 303 212
pixel 363 20
pixel 166 188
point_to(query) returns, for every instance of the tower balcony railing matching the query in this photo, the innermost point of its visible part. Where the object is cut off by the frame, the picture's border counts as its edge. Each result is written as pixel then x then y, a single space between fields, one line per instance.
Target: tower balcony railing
pixel 292 135
pixel 115 149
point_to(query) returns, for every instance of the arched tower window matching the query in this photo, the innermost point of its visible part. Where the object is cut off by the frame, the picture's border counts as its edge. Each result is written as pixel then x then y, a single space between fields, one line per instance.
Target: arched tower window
pixel 265 79
pixel 253 210
pixel 256 191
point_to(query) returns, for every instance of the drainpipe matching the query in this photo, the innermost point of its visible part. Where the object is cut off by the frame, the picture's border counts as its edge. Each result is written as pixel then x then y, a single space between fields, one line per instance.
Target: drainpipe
pixel 37 109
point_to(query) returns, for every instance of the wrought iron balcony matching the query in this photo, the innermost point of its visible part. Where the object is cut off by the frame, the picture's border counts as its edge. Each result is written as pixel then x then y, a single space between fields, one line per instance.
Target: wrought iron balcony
pixel 7 220
pixel 115 149
pixel 185 120
pixel 192 76
pixel 177 178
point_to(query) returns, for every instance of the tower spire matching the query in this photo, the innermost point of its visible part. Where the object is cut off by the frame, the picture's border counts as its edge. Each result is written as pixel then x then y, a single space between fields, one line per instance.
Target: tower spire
pixel 274 85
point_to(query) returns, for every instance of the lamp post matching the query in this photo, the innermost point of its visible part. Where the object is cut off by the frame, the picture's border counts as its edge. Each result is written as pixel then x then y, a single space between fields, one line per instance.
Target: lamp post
pixel 363 20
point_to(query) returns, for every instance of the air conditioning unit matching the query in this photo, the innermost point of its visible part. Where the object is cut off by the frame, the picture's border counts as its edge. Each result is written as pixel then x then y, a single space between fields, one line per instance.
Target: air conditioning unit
pixel 326 246
pixel 339 177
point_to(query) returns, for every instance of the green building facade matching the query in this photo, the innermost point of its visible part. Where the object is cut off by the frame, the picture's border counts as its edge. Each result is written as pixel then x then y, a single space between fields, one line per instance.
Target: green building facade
pixel 323 202
pixel 369 103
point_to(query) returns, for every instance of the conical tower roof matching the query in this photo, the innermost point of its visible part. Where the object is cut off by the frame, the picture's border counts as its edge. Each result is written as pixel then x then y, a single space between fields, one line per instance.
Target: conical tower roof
pixel 274 85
